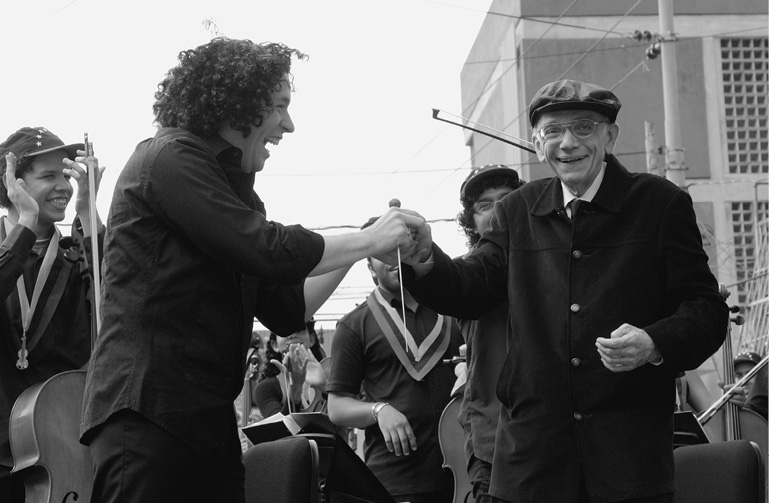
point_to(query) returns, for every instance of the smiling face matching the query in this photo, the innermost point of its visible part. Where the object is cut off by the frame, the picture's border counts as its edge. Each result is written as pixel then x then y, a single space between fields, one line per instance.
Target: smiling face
pixel 271 131
pixel 49 187
pixel 482 213
pixel 576 161
pixel 385 276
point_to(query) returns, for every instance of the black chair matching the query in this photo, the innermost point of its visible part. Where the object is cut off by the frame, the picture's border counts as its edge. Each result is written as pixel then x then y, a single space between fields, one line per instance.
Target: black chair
pixel 283 471
pixel 721 472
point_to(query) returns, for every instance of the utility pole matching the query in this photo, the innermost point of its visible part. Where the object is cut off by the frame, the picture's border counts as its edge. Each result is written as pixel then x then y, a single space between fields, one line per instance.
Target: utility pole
pixel 652 151
pixel 675 171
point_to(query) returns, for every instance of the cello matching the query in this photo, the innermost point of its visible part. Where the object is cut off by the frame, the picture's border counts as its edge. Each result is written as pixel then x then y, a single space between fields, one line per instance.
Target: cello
pixel 451 439
pixel 725 421
pixel 45 420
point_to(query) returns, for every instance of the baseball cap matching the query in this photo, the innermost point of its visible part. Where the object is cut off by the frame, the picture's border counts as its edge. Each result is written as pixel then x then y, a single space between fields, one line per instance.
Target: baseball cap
pixel 573 95
pixel 34 141
pixel 478 174
pixel 747 357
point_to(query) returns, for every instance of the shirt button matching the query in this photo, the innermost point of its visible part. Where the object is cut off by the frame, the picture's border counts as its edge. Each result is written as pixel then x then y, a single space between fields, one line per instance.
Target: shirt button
pixel 576 254
pixel 574 308
pixel 576 362
pixel 578 416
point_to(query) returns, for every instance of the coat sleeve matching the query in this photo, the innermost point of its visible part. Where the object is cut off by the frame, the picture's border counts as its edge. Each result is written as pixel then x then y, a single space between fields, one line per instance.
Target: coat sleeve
pixel 697 314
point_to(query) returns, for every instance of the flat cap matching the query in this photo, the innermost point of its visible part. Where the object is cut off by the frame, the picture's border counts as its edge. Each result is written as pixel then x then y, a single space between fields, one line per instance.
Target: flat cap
pixel 573 95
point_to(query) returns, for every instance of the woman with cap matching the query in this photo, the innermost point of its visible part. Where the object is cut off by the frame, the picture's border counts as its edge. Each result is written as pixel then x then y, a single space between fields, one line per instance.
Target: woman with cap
pixel 45 325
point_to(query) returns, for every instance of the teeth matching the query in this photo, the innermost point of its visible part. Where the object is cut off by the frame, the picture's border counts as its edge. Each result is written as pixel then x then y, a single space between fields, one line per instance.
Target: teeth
pixel 574 159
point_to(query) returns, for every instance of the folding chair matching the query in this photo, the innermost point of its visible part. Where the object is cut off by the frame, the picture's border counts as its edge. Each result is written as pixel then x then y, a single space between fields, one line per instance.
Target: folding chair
pixel 282 471
pixel 721 472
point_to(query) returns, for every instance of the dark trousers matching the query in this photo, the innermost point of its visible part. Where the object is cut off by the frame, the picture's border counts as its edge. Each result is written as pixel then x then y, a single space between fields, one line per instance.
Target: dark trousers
pixel 480 478
pixel 11 486
pixel 137 461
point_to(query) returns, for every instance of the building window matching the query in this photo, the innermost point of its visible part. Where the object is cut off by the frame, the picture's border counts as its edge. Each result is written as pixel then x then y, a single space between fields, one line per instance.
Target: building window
pixel 744 70
pixel 744 220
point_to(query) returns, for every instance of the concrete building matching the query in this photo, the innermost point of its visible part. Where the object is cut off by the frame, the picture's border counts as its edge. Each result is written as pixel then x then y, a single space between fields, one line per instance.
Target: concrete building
pixel 722 57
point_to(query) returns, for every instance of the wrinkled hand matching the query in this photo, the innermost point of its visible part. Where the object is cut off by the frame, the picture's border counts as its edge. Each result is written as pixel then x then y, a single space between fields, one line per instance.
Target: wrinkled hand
pixel 628 348
pixel 76 171
pixel 396 430
pixel 25 204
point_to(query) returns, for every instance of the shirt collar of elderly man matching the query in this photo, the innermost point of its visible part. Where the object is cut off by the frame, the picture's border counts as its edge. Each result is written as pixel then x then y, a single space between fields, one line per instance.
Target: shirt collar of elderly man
pixel 573 132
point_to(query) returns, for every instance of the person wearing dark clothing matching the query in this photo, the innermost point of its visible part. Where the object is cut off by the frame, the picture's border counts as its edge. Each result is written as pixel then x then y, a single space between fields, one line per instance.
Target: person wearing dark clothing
pixel 487 337
pixel 610 298
pixel 190 260
pixel 45 279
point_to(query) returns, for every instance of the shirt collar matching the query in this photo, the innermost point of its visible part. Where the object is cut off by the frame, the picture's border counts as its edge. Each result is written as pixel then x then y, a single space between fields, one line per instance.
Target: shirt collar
pixel 589 193
pixel 395 301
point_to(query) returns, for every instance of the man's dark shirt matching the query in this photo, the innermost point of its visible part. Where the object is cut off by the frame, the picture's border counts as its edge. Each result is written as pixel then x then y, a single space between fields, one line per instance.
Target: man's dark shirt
pixel 190 260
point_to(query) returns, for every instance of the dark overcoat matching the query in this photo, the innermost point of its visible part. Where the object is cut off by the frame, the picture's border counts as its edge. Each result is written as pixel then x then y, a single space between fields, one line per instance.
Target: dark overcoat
pixel 632 255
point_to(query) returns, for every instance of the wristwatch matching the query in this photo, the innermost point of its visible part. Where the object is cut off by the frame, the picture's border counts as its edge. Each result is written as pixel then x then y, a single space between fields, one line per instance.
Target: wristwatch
pixel 376 408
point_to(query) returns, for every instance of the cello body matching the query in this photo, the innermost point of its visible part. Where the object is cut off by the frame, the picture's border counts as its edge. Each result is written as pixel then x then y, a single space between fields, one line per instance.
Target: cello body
pixel 451 437
pixel 44 435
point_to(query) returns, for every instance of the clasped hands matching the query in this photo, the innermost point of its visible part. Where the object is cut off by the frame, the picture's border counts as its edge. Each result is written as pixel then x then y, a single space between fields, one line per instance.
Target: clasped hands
pixel 401 230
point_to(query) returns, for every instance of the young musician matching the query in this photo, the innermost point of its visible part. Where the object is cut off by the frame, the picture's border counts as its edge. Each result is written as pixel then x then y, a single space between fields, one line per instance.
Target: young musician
pixel 45 319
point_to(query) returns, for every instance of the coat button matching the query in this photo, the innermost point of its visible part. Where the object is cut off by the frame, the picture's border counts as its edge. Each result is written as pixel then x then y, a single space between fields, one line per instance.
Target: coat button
pixel 576 362
pixel 578 416
pixel 576 254
pixel 574 308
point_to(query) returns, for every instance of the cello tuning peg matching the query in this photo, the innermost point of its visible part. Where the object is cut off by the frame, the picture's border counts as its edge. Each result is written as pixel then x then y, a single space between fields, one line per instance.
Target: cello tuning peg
pixel 734 309
pixel 738 320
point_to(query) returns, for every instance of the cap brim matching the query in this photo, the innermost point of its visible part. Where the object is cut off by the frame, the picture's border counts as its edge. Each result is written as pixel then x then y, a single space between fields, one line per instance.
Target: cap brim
pixel 71 150
pixel 487 173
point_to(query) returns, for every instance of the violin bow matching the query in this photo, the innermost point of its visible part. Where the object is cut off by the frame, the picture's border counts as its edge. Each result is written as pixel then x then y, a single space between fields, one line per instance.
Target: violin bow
pixel 92 169
pixel 485 130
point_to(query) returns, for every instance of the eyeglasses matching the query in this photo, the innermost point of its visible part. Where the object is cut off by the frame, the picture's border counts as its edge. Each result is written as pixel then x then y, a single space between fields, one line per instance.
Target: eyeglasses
pixel 483 206
pixel 582 128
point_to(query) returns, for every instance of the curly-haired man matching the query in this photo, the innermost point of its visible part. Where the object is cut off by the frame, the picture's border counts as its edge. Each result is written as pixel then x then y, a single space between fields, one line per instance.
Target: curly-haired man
pixel 190 260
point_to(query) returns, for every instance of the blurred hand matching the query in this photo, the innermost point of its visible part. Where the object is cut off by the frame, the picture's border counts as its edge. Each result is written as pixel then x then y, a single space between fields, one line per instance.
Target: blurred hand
pixel 739 393
pixel 76 171
pixel 25 204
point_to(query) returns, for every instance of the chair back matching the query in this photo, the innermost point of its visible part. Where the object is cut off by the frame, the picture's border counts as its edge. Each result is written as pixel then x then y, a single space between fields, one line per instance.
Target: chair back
pixel 720 472
pixel 282 471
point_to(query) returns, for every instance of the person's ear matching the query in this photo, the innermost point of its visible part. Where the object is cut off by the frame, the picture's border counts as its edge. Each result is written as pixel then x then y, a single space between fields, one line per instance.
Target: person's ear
pixel 612 133
pixel 539 146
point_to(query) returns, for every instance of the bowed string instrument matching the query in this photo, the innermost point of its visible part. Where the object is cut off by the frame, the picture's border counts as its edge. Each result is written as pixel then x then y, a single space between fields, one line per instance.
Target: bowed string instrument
pixel 724 420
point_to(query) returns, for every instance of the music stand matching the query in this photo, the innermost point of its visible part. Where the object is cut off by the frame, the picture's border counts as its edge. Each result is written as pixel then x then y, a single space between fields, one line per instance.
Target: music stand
pixel 687 430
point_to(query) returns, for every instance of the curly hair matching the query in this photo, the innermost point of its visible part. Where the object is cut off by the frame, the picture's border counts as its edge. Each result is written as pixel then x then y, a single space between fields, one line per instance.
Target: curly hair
pixel 223 81
pixel 465 217
pixel 23 165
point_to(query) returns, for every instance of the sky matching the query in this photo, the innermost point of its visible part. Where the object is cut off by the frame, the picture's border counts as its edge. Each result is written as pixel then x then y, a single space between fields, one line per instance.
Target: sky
pixel 362 106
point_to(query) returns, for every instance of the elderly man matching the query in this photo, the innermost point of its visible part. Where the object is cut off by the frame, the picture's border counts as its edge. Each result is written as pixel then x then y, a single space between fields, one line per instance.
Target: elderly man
pixel 609 295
